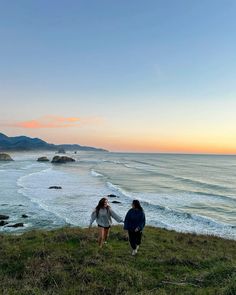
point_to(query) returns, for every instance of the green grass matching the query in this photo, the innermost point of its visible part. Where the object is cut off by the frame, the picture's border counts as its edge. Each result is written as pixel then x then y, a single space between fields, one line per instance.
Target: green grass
pixel 68 261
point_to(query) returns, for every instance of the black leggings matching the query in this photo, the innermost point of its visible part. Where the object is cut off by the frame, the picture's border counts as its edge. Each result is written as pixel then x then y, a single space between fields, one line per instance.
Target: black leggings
pixel 135 238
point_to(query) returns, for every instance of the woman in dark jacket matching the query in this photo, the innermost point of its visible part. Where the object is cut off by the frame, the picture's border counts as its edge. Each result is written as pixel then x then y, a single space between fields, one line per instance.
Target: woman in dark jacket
pixel 134 223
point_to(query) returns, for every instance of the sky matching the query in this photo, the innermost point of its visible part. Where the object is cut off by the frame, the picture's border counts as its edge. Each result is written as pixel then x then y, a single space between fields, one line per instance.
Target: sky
pixel 127 75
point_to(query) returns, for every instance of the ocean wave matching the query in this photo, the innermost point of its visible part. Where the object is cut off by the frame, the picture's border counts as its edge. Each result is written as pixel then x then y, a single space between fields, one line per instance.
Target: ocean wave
pixel 217 196
pixel 34 165
pixel 6 164
pixel 178 219
pixel 20 180
pixel 113 162
pixel 202 184
pixel 81 161
pixel 118 189
pixel 149 171
pixel 145 163
pixel 185 180
pixel 94 173
pixel 189 222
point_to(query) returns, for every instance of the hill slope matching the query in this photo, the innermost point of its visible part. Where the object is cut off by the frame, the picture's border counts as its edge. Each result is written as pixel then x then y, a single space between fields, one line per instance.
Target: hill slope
pixel 67 261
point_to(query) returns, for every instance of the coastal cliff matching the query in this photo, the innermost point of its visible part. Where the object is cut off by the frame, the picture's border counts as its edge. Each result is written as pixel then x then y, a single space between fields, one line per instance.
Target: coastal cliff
pixel 24 143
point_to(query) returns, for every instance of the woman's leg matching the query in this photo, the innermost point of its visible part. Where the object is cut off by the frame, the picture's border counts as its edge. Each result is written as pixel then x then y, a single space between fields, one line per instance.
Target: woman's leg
pixel 106 233
pixel 132 239
pixel 138 237
pixel 100 236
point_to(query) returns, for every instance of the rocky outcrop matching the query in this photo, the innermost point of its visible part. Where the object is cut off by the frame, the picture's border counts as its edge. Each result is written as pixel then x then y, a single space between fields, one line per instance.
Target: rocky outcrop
pixel 3 217
pixel 20 224
pixel 62 159
pixel 43 159
pixel 112 196
pixel 5 157
pixel 116 202
pixel 55 187
pixel 24 216
pixel 2 222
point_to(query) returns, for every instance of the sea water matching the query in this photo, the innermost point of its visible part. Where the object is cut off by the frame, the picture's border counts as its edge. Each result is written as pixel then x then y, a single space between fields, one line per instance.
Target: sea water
pixel 187 193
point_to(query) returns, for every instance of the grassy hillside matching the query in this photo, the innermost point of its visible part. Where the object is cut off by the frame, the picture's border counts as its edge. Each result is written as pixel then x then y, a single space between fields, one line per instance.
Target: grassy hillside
pixel 68 261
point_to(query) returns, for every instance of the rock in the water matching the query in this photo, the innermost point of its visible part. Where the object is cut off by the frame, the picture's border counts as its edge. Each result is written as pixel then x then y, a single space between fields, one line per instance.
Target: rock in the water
pixel 62 159
pixel 112 196
pixel 2 223
pixel 5 157
pixel 2 217
pixel 55 187
pixel 24 216
pixel 20 224
pixel 43 159
pixel 116 202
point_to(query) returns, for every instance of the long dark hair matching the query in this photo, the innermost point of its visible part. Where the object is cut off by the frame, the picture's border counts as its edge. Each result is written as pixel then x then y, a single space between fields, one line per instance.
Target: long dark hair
pixel 137 205
pixel 101 205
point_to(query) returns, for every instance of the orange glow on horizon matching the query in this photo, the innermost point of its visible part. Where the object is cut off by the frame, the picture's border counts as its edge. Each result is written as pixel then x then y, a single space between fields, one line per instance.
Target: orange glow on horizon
pixel 98 132
pixel 180 147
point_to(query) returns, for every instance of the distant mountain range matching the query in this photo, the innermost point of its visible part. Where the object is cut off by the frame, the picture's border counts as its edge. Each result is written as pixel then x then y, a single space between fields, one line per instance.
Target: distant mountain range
pixel 24 143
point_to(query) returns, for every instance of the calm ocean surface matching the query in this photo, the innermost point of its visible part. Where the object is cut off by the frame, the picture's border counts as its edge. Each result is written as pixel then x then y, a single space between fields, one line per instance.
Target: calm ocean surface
pixel 189 193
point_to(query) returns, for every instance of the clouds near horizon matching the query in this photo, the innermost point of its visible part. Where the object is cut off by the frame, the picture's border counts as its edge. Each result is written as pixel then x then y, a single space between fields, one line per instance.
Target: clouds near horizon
pixel 51 121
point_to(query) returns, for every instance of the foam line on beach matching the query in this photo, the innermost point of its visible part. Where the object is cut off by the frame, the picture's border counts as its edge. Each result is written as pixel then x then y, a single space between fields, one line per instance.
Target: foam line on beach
pixel 22 178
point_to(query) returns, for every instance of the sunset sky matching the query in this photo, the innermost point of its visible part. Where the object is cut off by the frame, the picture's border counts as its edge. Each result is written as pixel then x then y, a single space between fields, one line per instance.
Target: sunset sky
pixel 127 75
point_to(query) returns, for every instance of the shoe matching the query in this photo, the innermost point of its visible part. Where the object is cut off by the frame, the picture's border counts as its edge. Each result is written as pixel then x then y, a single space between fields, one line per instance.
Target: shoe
pixel 137 247
pixel 134 252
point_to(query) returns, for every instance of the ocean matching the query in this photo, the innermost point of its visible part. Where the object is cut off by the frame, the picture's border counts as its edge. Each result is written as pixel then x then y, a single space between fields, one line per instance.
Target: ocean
pixel 186 193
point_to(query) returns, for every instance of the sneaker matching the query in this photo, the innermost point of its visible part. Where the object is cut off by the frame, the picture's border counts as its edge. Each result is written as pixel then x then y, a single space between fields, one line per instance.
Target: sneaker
pixel 134 252
pixel 137 247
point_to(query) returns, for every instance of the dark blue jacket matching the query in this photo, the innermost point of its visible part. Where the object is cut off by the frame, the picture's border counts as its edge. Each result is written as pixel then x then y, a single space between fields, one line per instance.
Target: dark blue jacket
pixel 134 219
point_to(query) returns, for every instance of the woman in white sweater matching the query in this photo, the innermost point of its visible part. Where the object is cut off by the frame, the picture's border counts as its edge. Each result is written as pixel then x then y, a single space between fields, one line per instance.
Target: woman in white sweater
pixel 103 215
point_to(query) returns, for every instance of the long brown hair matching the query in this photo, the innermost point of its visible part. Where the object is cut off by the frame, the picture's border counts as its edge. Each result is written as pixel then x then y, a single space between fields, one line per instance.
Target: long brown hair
pixel 101 205
pixel 137 205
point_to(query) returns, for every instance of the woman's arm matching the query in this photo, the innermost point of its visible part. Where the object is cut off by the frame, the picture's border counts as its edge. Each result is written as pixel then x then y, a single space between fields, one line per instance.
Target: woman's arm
pixel 115 216
pixel 93 217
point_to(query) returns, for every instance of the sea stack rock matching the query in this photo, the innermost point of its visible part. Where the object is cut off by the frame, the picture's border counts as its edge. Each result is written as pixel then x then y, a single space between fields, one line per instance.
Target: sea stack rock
pixel 112 196
pixel 62 159
pixel 20 224
pixel 5 157
pixel 55 187
pixel 43 159
pixel 61 151
pixel 2 222
pixel 3 217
